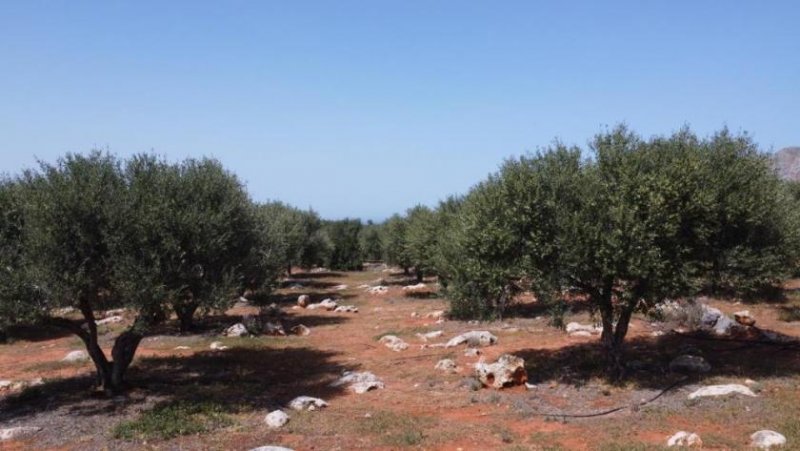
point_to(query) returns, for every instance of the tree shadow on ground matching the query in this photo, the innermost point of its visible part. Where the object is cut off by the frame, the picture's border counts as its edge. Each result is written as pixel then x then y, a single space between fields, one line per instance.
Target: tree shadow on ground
pixel 240 379
pixel 647 360
pixel 35 333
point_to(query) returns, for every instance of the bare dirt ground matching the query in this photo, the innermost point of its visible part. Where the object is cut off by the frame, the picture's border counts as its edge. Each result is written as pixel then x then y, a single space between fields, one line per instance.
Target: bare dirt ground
pixel 420 407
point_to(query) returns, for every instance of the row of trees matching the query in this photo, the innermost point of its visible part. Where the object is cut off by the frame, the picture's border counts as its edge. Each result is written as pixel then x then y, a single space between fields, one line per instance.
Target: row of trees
pixel 627 225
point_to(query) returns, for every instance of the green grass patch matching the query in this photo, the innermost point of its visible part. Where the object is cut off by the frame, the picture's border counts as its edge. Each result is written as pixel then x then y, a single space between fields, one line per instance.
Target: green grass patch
pixel 395 429
pixel 170 420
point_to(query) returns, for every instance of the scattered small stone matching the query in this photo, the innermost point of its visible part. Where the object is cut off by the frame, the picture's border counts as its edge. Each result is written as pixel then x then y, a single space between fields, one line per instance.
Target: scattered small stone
pixel 359 382
pixel 472 352
pixel 363 286
pixel 744 318
pixel 394 343
pixel 276 419
pixel 508 370
pixel 18 432
pixel 276 329
pixel 218 346
pixel 380 289
pixel 182 348
pixel 436 314
pixel 271 448
pixel 685 439
pixel 307 403
pixel 414 314
pixel 346 309
pixel 76 356
pixel 237 330
pixel 5 385
pixel 446 365
pixel 303 300
pixel 721 390
pixel 530 386
pixel 430 335
pixel 473 338
pixel 766 439
pixel 300 330
pixel 340 287
pixel 689 364
pixel 471 383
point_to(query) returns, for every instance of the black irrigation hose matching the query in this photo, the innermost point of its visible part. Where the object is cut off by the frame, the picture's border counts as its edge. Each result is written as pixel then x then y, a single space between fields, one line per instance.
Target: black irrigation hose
pixel 616 409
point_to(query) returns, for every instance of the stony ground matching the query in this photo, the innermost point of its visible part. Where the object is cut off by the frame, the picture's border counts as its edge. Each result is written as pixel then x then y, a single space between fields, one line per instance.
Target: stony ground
pixel 229 392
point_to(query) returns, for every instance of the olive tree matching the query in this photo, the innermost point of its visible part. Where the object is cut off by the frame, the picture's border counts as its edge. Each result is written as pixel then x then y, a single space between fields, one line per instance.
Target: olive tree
pixel 212 235
pixel 70 212
pixel 628 228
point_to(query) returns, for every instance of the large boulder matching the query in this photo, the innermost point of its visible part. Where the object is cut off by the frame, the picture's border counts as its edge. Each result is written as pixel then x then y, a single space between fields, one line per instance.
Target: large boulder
pixel 307 403
pixel 359 382
pixel 721 390
pixel 473 338
pixel 766 439
pixel 276 419
pixel 688 364
pixel 507 371
pixel 685 439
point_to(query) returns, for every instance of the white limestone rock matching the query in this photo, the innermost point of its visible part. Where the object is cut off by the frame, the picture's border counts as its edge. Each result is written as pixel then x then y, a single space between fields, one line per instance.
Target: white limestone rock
pixel 18 432
pixel 721 390
pixel 76 356
pixel 237 330
pixel 394 343
pixel 766 439
pixel 685 439
pixel 473 339
pixel 430 335
pixel 507 371
pixel 446 365
pixel 307 403
pixel 218 346
pixel 276 419
pixel 359 382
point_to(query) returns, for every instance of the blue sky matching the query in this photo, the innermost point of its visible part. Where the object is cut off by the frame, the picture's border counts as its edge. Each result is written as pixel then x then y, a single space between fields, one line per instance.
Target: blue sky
pixel 367 108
